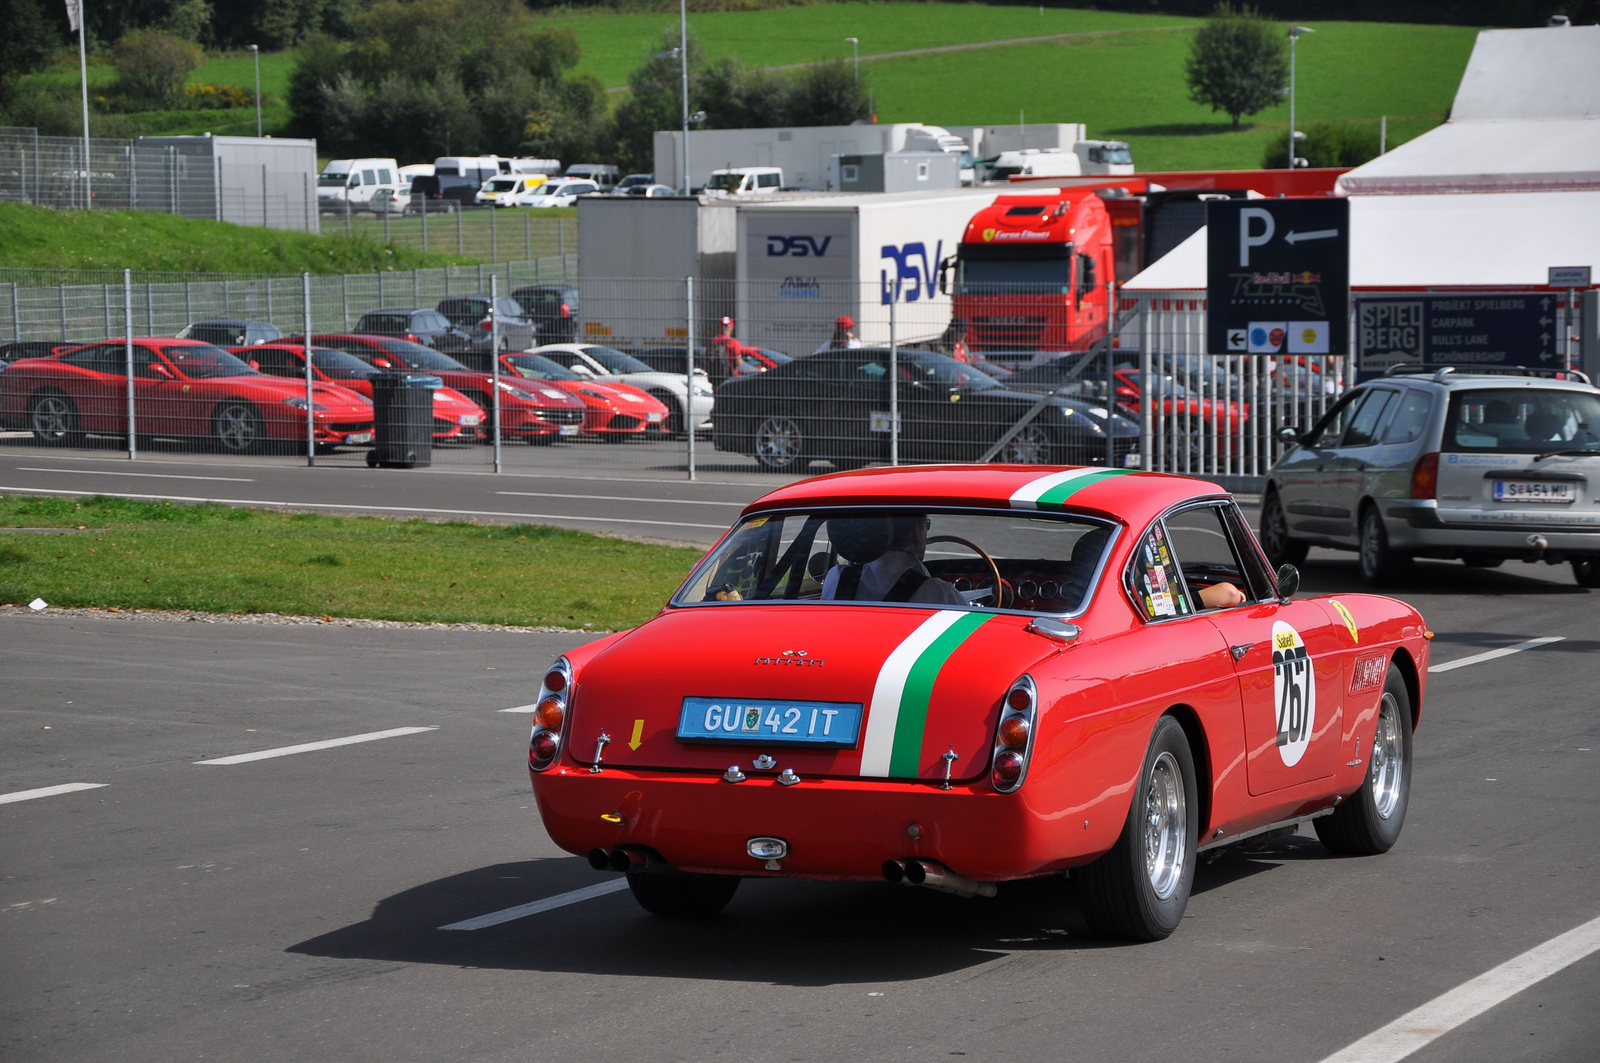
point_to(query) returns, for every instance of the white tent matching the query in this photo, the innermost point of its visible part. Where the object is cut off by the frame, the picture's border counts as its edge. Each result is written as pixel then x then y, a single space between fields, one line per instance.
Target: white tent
pixel 1405 241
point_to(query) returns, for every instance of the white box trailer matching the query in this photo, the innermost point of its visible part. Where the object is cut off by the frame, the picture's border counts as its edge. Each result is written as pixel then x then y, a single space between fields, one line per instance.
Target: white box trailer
pixel 801 152
pixel 803 262
pixel 987 141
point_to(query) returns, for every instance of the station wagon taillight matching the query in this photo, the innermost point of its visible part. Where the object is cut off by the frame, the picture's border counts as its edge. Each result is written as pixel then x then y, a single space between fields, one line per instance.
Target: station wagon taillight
pixel 1013 742
pixel 1425 477
pixel 550 716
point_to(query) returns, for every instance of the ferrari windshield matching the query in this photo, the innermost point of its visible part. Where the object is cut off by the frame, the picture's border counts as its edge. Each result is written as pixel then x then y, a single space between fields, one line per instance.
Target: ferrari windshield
pixel 538 367
pixel 1046 563
pixel 615 361
pixel 338 365
pixel 416 356
pixel 201 361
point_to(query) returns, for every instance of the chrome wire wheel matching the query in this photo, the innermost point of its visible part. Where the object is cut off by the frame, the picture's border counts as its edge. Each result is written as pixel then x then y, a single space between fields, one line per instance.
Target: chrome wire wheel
pixel 1388 758
pixel 1165 826
pixel 1031 446
pixel 53 418
pixel 778 443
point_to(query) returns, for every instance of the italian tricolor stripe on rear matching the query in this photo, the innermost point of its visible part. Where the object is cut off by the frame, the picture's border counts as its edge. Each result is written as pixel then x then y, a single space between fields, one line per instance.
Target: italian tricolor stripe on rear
pixel 1052 491
pixel 899 710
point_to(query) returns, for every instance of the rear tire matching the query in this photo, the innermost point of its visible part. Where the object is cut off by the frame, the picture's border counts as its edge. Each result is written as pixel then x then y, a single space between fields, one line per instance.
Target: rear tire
pixel 1139 889
pixel 1381 566
pixel 682 896
pixel 53 418
pixel 1587 573
pixel 780 444
pixel 1369 822
pixel 1281 549
pixel 1030 446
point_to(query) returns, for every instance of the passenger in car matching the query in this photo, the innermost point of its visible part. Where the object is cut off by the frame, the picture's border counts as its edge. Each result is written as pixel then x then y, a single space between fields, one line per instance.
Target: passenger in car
pixel 881 561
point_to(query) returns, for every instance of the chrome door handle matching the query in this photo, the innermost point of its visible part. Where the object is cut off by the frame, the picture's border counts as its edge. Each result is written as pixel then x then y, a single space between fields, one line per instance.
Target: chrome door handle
pixel 1240 650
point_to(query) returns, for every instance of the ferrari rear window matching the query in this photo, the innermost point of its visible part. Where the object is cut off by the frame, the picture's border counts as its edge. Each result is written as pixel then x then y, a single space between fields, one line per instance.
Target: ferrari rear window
pixel 1045 562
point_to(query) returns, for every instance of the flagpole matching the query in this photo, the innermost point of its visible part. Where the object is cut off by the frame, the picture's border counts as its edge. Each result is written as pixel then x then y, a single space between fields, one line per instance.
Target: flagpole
pixel 75 16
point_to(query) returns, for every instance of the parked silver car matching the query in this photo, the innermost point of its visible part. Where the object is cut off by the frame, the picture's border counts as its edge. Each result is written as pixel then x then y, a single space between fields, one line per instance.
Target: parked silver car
pixel 1477 465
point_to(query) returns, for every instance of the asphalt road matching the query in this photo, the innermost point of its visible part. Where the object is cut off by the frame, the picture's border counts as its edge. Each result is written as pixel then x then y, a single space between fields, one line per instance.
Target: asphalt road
pixel 288 908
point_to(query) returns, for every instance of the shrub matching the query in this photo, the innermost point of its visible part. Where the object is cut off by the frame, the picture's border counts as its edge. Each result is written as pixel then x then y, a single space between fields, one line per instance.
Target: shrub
pixel 1326 144
pixel 153 65
pixel 217 97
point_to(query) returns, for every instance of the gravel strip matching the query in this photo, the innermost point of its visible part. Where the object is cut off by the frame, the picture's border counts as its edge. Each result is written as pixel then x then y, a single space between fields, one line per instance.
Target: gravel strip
pixel 188 616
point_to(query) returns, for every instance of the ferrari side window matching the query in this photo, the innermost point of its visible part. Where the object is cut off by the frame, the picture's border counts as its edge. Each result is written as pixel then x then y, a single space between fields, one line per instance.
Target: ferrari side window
pixel 1155 578
pixel 1205 553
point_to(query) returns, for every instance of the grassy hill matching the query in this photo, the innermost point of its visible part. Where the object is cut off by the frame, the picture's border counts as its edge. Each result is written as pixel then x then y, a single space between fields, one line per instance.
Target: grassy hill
pixel 39 238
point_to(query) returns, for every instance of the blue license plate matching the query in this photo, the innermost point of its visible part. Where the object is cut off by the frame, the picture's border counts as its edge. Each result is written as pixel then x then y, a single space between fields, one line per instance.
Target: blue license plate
pixel 823 724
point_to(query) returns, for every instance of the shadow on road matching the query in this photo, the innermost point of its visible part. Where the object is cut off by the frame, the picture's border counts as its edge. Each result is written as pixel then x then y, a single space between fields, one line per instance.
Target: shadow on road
pixel 1335 575
pixel 777 932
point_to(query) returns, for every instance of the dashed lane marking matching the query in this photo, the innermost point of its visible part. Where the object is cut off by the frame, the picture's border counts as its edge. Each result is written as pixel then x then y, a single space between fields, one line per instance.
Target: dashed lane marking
pixel 144 475
pixel 626 498
pixel 522 911
pixel 309 747
pixel 1421 1026
pixel 49 791
pixel 1492 655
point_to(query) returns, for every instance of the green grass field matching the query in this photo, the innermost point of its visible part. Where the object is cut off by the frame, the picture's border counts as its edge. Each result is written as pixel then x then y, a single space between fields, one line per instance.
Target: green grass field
pixel 40 238
pixel 156 555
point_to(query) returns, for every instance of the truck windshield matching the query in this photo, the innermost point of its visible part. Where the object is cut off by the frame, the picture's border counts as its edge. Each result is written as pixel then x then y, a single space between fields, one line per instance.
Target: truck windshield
pixel 725 182
pixel 334 179
pixel 1013 276
pixel 1116 154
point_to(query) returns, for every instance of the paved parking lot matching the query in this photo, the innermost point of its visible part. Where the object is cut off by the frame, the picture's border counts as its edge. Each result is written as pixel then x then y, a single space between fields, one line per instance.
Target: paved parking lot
pixel 203 901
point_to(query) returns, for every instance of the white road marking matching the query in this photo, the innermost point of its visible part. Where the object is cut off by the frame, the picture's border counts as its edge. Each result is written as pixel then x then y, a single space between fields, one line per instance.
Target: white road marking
pixel 1491 655
pixel 520 708
pixel 49 791
pixel 625 498
pixel 560 900
pixel 308 747
pixel 1420 1026
pixel 145 475
pixel 345 507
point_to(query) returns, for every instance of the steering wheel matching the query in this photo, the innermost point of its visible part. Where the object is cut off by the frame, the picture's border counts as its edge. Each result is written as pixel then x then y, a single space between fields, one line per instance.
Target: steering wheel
pixel 1002 592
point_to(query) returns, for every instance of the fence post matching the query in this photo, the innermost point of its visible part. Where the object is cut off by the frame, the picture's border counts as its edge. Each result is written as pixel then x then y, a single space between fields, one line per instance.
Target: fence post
pixel 1111 380
pixel 894 376
pixel 494 244
pixel 127 354
pixel 344 299
pixel 1147 457
pixel 105 301
pixel 188 307
pixel 347 214
pixel 311 424
pixel 690 422
pixel 494 355
pixel 263 195
pixel 460 247
pixel 527 234
pixel 61 297
pixel 149 311
pixel 380 289
pixel 306 212
pixel 561 244
pixel 416 288
pixel 386 222
pixel 16 313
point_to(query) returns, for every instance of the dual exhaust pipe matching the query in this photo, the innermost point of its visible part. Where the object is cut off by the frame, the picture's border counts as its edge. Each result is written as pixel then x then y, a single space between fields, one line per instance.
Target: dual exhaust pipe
pixel 620 860
pixel 935 876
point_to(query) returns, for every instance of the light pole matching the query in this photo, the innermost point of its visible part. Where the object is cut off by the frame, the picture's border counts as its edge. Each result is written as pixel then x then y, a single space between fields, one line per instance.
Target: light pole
pixel 683 56
pixel 255 52
pixel 855 55
pixel 1295 33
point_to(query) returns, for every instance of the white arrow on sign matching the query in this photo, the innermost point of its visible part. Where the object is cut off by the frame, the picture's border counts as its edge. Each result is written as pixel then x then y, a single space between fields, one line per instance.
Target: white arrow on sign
pixel 1544 304
pixel 1544 339
pixel 1547 321
pixel 1315 234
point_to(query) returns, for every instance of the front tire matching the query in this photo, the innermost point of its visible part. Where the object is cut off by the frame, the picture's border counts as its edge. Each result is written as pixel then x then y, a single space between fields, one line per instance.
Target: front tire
pixel 1381 566
pixel 780 445
pixel 1275 540
pixel 1139 889
pixel 1030 446
pixel 53 417
pixel 673 425
pixel 682 896
pixel 1369 822
pixel 237 428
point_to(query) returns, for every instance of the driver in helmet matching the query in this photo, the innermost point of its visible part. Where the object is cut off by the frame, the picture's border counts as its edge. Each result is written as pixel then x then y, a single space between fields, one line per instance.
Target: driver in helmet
pixel 880 560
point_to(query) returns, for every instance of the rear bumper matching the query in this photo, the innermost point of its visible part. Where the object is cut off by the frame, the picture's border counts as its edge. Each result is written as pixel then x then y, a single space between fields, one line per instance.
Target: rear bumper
pixel 1420 525
pixel 836 828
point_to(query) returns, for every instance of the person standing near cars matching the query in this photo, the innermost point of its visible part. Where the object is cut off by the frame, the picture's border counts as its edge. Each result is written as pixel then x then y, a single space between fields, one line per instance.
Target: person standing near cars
pixel 722 353
pixel 844 335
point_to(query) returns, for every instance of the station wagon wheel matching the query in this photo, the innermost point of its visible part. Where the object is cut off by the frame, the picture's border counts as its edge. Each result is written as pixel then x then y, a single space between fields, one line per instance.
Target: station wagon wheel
pixel 1275 540
pixel 237 427
pixel 1139 889
pixel 1031 446
pixel 780 445
pixel 54 419
pixel 1586 572
pixel 1369 821
pixel 681 895
pixel 1380 564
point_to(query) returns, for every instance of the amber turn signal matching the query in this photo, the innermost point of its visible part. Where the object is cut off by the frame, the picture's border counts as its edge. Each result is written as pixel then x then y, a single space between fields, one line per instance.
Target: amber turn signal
pixel 1014 732
pixel 548 714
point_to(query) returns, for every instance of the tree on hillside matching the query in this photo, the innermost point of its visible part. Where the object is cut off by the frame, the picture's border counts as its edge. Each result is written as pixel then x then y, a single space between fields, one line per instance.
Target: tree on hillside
pixel 654 100
pixel 153 66
pixel 827 94
pixel 28 41
pixel 1237 62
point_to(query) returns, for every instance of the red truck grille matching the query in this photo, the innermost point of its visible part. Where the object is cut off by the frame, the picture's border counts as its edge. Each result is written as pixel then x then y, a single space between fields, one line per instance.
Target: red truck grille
pixel 1008 331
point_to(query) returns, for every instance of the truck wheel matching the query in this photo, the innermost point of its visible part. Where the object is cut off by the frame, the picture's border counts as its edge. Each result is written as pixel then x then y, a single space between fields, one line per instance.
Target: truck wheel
pixel 1275 540
pixel 780 445
pixel 1369 822
pixel 682 896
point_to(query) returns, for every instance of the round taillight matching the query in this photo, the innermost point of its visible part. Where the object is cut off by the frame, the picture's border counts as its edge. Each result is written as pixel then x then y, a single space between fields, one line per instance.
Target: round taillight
pixel 544 746
pixel 1014 732
pixel 1007 768
pixel 1018 699
pixel 555 681
pixel 549 714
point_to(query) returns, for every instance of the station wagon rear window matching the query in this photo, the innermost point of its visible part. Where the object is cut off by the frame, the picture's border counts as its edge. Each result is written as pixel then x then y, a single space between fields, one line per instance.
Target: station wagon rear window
pixel 926 557
pixel 1522 420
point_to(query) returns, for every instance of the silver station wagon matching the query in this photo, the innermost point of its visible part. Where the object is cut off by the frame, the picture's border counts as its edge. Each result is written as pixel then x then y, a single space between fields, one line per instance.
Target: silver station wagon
pixel 1485 466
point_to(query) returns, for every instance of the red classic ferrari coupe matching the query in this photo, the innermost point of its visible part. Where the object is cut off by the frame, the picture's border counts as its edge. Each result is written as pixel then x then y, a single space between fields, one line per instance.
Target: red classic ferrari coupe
pixel 957 676
pixel 182 388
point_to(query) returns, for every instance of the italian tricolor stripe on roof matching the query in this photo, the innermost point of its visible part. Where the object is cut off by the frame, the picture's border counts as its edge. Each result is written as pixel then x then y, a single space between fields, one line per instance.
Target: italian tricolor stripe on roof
pixel 1053 490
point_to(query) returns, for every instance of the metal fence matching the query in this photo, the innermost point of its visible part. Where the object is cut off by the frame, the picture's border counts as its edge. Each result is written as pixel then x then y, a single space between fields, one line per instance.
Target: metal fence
pixel 679 377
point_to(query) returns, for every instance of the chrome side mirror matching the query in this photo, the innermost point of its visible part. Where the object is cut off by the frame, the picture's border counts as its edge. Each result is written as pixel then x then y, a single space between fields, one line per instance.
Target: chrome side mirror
pixel 1288 581
pixel 1289 434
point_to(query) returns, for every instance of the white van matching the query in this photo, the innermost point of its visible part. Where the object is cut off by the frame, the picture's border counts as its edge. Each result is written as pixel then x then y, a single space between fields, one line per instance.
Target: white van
pixel 350 184
pixel 509 190
pixel 744 181
pixel 1034 162
pixel 602 174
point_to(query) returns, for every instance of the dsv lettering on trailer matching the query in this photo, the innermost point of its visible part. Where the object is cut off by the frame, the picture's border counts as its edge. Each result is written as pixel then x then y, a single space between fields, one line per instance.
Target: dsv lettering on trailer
pixel 798 246
pixel 915 273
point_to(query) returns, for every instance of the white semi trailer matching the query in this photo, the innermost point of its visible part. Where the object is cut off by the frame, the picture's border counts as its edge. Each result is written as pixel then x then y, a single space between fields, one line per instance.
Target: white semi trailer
pixel 804 153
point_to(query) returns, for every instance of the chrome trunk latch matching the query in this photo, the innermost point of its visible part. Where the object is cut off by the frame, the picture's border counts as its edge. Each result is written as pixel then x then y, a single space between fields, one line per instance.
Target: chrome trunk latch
pixel 950 756
pixel 599 748
pixel 764 763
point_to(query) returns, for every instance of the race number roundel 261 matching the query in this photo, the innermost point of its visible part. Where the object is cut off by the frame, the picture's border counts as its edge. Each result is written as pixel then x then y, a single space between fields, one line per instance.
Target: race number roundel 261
pixel 1294 694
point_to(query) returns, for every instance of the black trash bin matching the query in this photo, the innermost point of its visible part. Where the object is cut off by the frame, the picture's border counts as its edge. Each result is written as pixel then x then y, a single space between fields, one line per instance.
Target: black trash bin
pixel 402 420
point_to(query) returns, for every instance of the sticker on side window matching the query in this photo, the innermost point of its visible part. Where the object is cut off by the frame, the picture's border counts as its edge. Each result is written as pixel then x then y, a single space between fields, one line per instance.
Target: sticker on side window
pixel 1159 588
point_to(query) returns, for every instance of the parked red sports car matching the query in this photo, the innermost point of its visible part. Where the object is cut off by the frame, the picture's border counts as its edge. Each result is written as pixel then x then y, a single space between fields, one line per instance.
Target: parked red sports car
pixel 454 415
pixel 527 414
pixel 181 388
pixel 954 676
pixel 614 411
